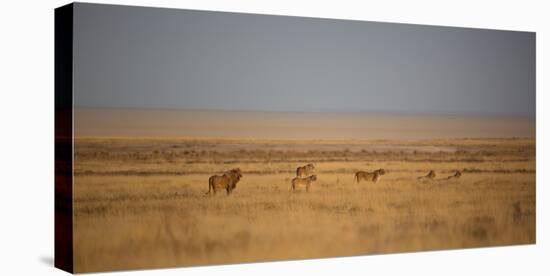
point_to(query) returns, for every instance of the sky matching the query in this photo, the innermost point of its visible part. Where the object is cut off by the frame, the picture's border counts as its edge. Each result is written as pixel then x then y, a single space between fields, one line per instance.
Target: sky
pixel 135 57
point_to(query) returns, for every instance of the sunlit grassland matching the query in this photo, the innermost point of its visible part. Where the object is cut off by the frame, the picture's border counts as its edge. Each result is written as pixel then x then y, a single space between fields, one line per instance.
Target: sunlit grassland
pixel 140 203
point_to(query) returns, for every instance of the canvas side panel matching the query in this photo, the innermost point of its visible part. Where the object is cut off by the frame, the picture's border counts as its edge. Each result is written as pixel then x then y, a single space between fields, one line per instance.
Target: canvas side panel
pixel 64 138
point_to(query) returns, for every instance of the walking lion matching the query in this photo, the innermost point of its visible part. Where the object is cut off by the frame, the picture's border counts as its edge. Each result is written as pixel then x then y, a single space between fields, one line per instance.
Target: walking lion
pixel 369 176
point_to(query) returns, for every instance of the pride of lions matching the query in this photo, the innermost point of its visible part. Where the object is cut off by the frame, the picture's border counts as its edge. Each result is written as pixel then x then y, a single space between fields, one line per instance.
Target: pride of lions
pixel 304 177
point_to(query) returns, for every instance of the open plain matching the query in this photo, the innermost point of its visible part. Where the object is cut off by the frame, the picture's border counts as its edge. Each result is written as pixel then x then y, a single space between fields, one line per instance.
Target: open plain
pixel 140 202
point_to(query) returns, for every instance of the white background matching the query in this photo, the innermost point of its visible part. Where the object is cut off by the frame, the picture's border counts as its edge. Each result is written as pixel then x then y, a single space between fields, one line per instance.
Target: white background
pixel 26 133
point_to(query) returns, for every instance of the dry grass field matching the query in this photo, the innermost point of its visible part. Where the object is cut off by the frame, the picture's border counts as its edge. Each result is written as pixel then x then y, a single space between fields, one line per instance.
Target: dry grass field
pixel 140 202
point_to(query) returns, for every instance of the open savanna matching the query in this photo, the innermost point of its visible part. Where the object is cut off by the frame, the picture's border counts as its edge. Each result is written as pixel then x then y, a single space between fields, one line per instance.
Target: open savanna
pixel 140 202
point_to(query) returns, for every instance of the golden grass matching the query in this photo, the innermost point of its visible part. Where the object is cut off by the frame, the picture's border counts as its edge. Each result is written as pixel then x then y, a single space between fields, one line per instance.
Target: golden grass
pixel 139 203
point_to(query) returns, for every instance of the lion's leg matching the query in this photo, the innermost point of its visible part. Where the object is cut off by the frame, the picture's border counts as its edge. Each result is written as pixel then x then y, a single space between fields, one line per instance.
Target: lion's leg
pixel 209 187
pixel 307 187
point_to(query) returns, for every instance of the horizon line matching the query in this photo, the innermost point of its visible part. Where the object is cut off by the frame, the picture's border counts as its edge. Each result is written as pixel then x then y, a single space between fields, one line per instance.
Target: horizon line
pixel 334 111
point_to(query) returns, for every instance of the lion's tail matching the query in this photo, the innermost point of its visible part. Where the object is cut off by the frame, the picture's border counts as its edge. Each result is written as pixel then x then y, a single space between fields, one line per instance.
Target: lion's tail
pixel 356 178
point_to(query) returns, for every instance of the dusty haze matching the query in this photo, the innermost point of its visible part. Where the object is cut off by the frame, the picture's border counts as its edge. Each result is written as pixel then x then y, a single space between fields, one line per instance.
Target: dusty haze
pixel 288 125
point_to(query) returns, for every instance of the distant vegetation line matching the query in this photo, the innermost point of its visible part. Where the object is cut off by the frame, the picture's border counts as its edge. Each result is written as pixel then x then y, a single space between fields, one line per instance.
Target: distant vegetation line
pixel 266 172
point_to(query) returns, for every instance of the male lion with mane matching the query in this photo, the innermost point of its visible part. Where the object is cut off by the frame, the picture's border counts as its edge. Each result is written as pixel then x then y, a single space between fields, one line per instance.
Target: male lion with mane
pixel 227 181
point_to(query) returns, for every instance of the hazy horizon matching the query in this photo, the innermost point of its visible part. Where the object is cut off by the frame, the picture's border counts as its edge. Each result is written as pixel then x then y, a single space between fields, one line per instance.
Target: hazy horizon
pixel 368 112
pixel 113 122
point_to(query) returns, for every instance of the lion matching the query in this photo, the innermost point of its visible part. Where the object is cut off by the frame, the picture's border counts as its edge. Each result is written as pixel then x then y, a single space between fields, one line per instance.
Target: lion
pixel 302 181
pixel 227 181
pixel 305 170
pixel 457 175
pixel 369 176
pixel 429 176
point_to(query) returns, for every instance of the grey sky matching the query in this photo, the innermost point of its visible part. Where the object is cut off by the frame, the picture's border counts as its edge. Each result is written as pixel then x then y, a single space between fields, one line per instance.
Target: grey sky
pixel 162 58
